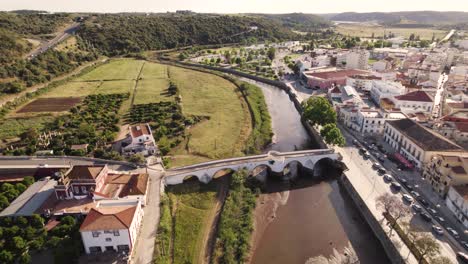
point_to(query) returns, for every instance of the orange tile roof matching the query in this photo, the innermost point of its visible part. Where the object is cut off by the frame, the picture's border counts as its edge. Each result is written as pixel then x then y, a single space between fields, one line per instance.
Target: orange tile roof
pixel 140 129
pixel 85 171
pixel 418 96
pixel 96 220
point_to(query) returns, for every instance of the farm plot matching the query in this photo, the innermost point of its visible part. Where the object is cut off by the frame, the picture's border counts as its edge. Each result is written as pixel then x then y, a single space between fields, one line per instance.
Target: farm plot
pixel 121 69
pixel 154 71
pixel 73 89
pixel 152 91
pixel 14 127
pixel 115 87
pixel 58 104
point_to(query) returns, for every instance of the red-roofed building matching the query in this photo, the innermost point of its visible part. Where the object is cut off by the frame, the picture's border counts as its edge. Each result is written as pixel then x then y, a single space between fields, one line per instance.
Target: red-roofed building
pixel 139 140
pixel 80 181
pixel 111 228
pixel 417 101
pixel 326 79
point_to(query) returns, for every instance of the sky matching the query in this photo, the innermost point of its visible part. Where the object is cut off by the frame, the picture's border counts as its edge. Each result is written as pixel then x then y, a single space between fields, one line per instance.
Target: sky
pixel 235 6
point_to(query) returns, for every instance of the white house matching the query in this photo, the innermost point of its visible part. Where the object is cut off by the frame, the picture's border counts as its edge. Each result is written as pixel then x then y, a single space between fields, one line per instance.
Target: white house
pixel 418 101
pixel 370 121
pixel 417 143
pixel 111 228
pixel 457 202
pixel 385 89
pixel 139 140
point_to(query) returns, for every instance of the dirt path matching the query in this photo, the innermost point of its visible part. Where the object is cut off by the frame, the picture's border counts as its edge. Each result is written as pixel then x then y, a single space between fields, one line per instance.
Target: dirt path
pixel 136 84
pixel 209 237
pixel 11 97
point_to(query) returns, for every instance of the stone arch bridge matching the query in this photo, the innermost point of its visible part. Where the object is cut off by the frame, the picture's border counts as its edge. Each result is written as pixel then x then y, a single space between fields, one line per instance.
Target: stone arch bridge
pixel 275 161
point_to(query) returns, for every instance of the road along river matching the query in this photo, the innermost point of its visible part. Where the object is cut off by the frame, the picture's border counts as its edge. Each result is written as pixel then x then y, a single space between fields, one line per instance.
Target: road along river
pixel 304 221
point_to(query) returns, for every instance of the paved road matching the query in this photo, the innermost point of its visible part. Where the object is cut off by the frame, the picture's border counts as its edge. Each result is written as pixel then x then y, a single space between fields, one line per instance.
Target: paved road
pixel 144 247
pixel 447 243
pixel 61 36
pixel 438 101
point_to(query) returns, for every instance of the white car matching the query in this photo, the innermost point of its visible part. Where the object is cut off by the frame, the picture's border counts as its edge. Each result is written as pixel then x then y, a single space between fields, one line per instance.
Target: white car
pixel 438 230
pixel 417 208
pixel 388 178
pixel 408 198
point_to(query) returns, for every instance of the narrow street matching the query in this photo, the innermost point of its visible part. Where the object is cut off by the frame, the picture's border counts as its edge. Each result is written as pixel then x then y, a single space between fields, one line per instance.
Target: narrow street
pixel 144 246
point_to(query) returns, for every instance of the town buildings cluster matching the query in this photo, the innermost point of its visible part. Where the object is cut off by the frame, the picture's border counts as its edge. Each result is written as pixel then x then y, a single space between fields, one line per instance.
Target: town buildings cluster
pixel 413 100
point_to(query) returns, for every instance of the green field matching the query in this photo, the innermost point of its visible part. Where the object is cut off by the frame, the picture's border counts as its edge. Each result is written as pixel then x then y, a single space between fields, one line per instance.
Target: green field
pixel 154 71
pixel 192 202
pixel 119 69
pixel 366 30
pixel 13 127
pixel 113 87
pixel 152 91
pixel 73 89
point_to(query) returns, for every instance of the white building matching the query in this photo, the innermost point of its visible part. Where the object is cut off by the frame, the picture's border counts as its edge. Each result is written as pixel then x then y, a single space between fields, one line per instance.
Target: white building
pixel 111 228
pixel 385 89
pixel 457 202
pixel 139 140
pixel 418 101
pixel 417 143
pixel 369 121
pixel 362 82
pixel 357 59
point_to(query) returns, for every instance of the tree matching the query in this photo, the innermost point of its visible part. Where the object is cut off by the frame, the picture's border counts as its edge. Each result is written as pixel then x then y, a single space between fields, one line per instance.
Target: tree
pixel 6 256
pixel 25 258
pixel 3 202
pixel 36 221
pixel 427 246
pixel 271 53
pixel 137 158
pixel 319 111
pixel 28 180
pixel 332 135
pixel 441 260
pixel 392 206
pixel 18 243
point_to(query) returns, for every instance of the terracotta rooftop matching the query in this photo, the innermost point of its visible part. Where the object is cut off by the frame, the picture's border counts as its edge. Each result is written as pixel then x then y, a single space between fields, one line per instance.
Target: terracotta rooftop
pixel 335 74
pixel 421 136
pixel 85 171
pixel 99 219
pixel 122 185
pixel 336 90
pixel 417 96
pixel 140 129
pixel 462 127
pixel 459 105
pixel 462 190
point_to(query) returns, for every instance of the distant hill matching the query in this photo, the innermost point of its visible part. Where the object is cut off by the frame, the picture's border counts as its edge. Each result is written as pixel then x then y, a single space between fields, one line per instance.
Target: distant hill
pixel 416 17
pixel 299 21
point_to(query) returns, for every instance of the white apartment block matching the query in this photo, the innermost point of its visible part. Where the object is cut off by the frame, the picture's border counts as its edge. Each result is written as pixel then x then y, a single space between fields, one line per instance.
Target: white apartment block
pixel 457 202
pixel 385 89
pixel 358 59
pixel 414 102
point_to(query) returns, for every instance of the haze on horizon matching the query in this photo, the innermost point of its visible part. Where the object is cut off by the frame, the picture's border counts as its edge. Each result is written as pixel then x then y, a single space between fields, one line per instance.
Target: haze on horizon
pixel 239 6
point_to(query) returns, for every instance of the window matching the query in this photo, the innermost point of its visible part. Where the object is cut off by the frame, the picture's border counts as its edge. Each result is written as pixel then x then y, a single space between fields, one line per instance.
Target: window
pixel 125 248
pixel 116 233
pixel 95 249
pixel 108 239
pixel 96 234
pixel 77 189
pixel 83 189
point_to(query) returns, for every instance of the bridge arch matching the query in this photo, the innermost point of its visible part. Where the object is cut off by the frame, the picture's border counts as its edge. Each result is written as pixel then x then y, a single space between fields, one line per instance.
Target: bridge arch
pixel 191 177
pixel 326 168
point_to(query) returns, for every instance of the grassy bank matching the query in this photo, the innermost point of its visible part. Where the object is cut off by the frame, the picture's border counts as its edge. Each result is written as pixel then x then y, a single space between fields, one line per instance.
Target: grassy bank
pixel 162 247
pixel 184 220
pixel 236 222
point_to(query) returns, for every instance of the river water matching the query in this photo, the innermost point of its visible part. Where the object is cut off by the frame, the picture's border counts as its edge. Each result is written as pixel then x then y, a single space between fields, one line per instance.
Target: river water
pixel 296 223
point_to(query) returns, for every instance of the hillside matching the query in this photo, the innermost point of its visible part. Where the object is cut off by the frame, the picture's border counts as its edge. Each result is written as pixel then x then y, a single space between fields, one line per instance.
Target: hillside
pixel 299 21
pixel 120 34
pixel 416 17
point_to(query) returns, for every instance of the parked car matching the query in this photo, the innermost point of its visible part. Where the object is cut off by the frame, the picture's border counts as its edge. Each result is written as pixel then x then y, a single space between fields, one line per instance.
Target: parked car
pixel 425 216
pixel 438 230
pixel 409 187
pixel 381 158
pixel 362 151
pixel 417 208
pixel 396 186
pixel 464 244
pixel 376 166
pixel 407 198
pixel 415 194
pixel 366 154
pixel 388 178
pixel 432 211
pixel 453 232
pixel 355 142
pixel 423 202
pixel 403 180
pixel 382 171
pixel 440 219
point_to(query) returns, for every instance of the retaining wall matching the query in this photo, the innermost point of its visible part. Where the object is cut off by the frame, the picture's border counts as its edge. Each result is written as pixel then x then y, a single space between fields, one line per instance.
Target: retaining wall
pixel 389 247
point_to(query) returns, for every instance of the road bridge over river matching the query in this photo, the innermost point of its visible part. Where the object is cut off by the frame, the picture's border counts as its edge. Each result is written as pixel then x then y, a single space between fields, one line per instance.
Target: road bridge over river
pixel 275 161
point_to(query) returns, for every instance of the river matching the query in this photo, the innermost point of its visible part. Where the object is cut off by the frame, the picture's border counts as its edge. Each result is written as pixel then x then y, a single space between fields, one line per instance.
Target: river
pixel 309 219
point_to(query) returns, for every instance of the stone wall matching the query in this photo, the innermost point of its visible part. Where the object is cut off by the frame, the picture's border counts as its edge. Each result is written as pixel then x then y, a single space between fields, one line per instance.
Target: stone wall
pixel 389 247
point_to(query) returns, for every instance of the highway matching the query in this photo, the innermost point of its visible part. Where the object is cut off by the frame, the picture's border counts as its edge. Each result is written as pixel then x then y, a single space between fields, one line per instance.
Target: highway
pixel 61 36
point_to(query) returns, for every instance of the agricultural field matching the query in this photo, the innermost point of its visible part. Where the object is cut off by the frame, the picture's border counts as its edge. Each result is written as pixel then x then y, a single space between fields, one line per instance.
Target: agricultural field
pixel 118 69
pixel 152 91
pixel 13 127
pixel 72 89
pixel 115 87
pixel 58 104
pixel 366 30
